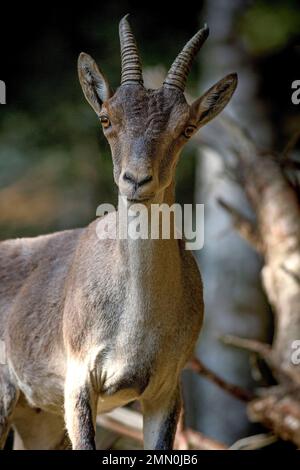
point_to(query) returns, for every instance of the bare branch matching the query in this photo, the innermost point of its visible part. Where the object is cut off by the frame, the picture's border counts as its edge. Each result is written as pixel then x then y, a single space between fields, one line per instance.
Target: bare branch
pixel 198 441
pixel 281 415
pixel 197 366
pixel 252 345
pixel 123 421
pixel 246 149
pixel 243 225
pixel 293 275
pixel 181 440
pixel 254 442
pixel 129 423
pixel 291 145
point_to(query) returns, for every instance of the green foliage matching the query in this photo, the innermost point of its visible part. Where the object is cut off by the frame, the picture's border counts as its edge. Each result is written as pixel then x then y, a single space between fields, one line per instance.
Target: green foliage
pixel 269 25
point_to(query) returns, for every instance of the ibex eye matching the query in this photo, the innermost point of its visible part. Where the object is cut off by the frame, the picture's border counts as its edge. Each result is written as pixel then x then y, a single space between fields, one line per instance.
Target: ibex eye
pixel 105 121
pixel 189 131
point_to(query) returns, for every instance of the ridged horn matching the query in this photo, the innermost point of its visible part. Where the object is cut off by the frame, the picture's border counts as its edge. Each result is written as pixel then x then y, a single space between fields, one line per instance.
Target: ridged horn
pixel 131 64
pixel 178 73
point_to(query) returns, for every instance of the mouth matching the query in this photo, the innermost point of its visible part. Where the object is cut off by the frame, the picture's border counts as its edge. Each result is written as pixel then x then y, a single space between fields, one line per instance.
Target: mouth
pixel 138 200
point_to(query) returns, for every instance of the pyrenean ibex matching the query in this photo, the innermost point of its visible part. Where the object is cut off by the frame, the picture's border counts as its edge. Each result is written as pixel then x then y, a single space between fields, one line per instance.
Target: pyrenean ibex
pixel 90 324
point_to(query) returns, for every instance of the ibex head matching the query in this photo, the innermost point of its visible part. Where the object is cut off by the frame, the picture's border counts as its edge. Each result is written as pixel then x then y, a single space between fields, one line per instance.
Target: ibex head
pixel 146 129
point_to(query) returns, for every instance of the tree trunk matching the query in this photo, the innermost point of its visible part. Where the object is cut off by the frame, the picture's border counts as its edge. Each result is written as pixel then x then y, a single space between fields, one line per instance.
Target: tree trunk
pixel 276 234
pixel 234 301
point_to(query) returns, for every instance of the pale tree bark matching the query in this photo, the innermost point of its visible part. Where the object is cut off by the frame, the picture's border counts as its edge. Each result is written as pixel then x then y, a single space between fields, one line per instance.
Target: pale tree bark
pixel 275 199
pixel 234 301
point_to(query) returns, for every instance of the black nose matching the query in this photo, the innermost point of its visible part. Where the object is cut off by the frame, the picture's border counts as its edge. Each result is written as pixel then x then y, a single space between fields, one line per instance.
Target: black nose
pixel 135 181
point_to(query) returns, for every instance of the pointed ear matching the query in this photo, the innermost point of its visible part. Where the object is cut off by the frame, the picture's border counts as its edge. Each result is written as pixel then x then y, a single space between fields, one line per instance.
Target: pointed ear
pixel 93 83
pixel 214 100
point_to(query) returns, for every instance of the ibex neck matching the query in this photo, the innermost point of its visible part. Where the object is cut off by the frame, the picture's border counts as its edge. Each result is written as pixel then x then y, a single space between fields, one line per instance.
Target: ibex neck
pixel 169 194
pixel 144 219
pixel 150 259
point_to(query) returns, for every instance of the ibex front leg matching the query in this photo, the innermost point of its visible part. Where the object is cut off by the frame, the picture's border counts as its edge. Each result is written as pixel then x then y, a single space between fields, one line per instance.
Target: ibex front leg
pixel 160 420
pixel 8 398
pixel 80 408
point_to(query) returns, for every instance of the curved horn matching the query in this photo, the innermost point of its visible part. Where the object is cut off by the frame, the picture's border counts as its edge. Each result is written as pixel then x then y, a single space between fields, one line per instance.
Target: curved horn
pixel 131 64
pixel 178 73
